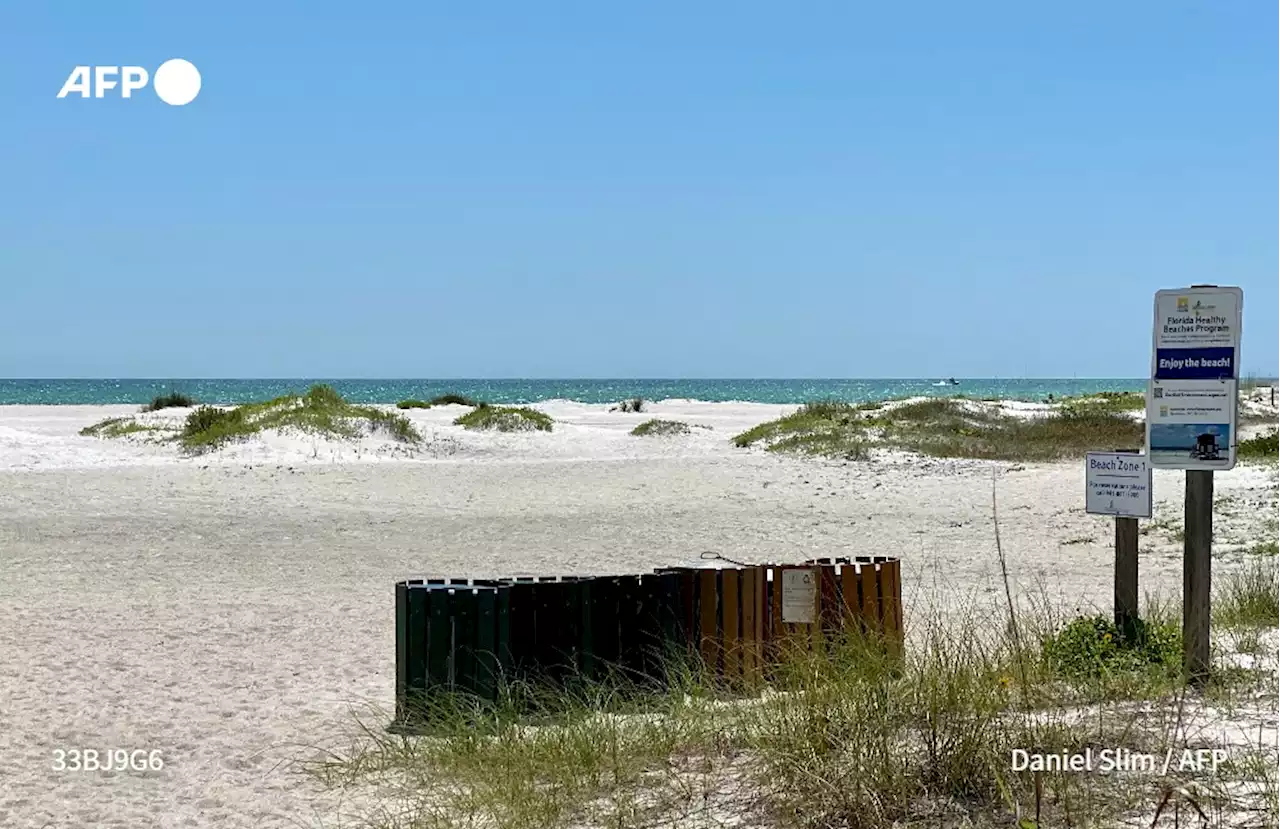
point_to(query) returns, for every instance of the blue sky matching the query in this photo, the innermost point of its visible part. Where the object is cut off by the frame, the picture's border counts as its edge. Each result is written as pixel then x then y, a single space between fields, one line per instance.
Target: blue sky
pixel 633 190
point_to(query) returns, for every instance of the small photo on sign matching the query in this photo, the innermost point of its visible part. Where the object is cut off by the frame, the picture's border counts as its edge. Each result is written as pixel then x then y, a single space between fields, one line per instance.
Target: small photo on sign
pixel 1194 441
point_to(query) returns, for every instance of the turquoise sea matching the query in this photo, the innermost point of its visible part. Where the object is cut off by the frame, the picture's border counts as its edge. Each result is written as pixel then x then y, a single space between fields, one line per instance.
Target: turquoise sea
pixel 531 391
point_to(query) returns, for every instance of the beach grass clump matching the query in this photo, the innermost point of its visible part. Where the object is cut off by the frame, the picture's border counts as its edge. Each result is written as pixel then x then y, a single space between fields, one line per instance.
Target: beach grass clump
pixel 1248 597
pixel 825 427
pixel 1113 402
pixel 413 404
pixel 117 427
pixel 947 428
pixel 1264 447
pixel 172 400
pixel 661 428
pixel 944 427
pixel 633 406
pixel 452 399
pixel 321 411
pixel 505 419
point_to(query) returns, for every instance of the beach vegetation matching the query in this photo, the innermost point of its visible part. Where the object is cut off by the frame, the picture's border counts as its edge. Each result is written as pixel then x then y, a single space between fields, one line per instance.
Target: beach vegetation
pixel 172 400
pixel 633 406
pixel 1092 646
pixel 661 428
pixel 505 419
pixel 945 427
pixel 116 427
pixel 413 404
pixel 320 411
pixel 1264 447
pixel 1248 596
pixel 452 399
pixel 830 428
pixel 1114 402
pixel 847 736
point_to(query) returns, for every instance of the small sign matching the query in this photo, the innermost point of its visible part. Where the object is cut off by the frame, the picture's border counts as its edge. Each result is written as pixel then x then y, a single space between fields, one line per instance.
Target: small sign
pixel 799 595
pixel 1117 483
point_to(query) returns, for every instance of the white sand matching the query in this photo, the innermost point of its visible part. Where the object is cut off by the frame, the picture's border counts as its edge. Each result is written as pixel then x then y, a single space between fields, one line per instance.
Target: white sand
pixel 227 610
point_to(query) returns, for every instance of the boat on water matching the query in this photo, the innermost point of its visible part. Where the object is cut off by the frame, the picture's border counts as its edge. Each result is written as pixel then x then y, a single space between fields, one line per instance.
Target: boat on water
pixel 948 382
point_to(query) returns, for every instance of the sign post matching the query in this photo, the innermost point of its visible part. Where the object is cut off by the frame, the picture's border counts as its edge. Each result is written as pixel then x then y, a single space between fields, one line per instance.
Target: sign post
pixel 1119 483
pixel 1192 404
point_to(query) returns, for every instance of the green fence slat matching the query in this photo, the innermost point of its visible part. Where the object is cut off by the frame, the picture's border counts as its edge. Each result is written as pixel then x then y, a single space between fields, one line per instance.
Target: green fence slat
pixel 486 658
pixel 417 675
pixel 464 635
pixel 439 639
pixel 588 661
pixel 402 648
pixel 523 629
pixel 604 622
pixel 502 635
pixel 570 628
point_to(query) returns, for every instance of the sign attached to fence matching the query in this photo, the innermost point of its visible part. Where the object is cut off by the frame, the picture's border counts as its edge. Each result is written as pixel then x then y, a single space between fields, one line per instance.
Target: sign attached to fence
pixel 1195 369
pixel 799 595
pixel 1117 483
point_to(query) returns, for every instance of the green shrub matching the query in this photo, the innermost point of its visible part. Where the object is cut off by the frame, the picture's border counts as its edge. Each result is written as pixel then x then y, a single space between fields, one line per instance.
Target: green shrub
pixel 173 400
pixel 1091 646
pixel 208 427
pixel 633 406
pixel 454 400
pixel 661 428
pixel 1265 447
pixel 505 419
pixel 413 404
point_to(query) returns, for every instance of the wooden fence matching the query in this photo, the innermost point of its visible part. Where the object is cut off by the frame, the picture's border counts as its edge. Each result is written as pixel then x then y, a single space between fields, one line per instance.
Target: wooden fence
pixel 475 636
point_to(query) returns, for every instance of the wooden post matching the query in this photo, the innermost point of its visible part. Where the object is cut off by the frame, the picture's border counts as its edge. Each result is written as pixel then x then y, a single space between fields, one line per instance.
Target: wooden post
pixel 1126 576
pixel 1198 520
pixel 1126 599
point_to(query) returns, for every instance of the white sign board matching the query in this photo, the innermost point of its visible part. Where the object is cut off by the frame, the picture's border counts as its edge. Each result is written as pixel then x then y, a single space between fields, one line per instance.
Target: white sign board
pixel 1195 368
pixel 1117 483
pixel 799 595
pixel 1191 424
pixel 1197 334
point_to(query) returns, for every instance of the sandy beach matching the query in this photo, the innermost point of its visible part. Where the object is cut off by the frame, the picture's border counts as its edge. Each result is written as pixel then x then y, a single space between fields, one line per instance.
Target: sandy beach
pixel 228 610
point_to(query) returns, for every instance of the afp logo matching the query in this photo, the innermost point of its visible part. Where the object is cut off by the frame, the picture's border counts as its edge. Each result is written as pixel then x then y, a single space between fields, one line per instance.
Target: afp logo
pixel 176 81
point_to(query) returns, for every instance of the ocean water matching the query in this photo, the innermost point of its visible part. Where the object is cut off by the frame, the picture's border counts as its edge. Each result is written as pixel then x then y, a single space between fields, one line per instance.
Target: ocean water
pixel 66 392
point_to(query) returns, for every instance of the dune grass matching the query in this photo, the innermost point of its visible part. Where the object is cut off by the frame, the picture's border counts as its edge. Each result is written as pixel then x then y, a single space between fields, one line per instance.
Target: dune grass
pixel 172 400
pixel 848 736
pixel 945 427
pixel 1112 402
pixel 116 427
pixel 443 400
pixel 661 428
pixel 505 419
pixel 633 406
pixel 321 411
pixel 1248 597
pixel 1262 448
pixel 831 428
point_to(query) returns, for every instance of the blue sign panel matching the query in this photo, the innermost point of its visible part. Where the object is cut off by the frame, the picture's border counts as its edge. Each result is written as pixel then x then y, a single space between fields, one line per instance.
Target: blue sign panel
pixel 1195 363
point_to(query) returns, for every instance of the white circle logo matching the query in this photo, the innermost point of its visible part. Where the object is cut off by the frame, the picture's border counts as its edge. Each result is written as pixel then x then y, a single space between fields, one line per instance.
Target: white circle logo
pixel 177 82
